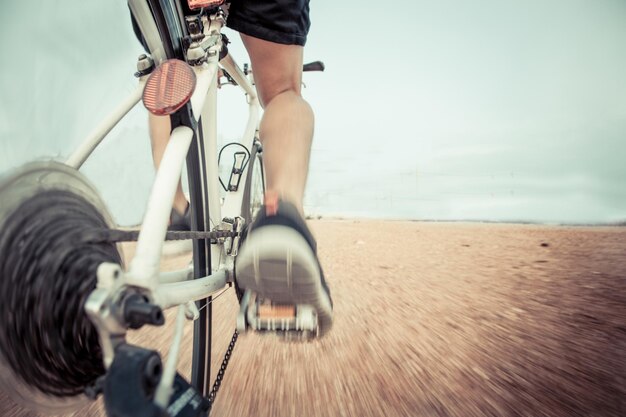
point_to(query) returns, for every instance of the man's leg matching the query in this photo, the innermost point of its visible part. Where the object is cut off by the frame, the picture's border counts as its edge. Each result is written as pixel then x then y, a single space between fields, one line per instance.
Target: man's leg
pixel 287 124
pixel 278 260
pixel 160 129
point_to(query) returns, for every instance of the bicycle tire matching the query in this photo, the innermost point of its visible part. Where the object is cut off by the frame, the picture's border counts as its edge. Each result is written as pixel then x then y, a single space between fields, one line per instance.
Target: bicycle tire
pixel 254 190
pixel 199 209
pixel 167 20
pixel 253 195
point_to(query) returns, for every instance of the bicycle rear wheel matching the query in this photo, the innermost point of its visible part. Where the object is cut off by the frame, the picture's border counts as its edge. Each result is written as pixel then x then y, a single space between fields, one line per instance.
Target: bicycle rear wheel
pixel 199 209
pixel 171 32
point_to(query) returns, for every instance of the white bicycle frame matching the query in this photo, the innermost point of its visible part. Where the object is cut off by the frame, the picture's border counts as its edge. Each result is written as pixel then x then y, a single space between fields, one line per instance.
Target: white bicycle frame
pixel 174 288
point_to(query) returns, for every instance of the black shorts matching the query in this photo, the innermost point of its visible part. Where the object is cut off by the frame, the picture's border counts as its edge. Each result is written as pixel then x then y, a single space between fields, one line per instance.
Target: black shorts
pixel 279 21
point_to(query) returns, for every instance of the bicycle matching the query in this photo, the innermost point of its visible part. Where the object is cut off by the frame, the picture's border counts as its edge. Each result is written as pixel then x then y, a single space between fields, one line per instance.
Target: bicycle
pixel 55 231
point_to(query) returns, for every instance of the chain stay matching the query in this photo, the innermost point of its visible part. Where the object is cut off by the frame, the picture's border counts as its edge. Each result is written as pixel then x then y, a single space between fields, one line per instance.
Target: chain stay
pixel 117 235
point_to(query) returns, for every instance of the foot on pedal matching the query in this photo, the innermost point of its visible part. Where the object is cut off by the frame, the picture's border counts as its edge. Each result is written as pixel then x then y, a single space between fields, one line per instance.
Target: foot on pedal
pixel 278 262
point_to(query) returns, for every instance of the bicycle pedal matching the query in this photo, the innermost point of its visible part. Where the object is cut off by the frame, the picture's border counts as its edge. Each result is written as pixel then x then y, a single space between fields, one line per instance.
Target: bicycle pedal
pixel 292 322
pixel 276 312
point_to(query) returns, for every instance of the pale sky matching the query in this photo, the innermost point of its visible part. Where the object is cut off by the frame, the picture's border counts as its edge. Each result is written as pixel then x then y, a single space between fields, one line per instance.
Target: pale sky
pixel 430 109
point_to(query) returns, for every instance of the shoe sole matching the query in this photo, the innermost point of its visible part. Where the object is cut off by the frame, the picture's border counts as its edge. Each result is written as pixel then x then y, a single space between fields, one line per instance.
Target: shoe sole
pixel 277 263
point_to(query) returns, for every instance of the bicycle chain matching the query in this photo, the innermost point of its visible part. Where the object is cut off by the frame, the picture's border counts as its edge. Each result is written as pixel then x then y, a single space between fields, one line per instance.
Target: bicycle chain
pixel 117 235
pixel 222 371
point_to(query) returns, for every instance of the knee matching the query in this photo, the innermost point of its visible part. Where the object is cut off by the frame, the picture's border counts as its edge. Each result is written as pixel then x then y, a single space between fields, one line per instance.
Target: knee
pixel 288 103
pixel 288 92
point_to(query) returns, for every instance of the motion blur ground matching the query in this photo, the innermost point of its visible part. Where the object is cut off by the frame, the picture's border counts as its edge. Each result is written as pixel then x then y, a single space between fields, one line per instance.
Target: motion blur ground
pixel 441 319
pixel 511 340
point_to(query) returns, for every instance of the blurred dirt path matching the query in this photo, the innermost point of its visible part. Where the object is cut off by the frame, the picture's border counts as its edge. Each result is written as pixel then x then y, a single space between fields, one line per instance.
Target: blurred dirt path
pixel 439 320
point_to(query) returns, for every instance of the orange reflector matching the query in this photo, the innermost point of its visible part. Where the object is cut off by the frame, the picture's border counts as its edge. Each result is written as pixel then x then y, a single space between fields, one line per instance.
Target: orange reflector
pixel 169 87
pixel 198 4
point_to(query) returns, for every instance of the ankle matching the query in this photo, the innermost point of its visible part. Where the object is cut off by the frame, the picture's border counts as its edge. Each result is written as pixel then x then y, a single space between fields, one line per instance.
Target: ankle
pixel 271 201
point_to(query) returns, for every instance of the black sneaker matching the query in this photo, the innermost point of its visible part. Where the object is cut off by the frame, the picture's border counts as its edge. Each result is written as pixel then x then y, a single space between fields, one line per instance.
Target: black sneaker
pixel 278 261
pixel 180 222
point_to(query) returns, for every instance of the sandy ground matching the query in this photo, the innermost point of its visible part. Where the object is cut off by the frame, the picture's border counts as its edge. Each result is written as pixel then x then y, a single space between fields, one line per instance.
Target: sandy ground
pixel 439 320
